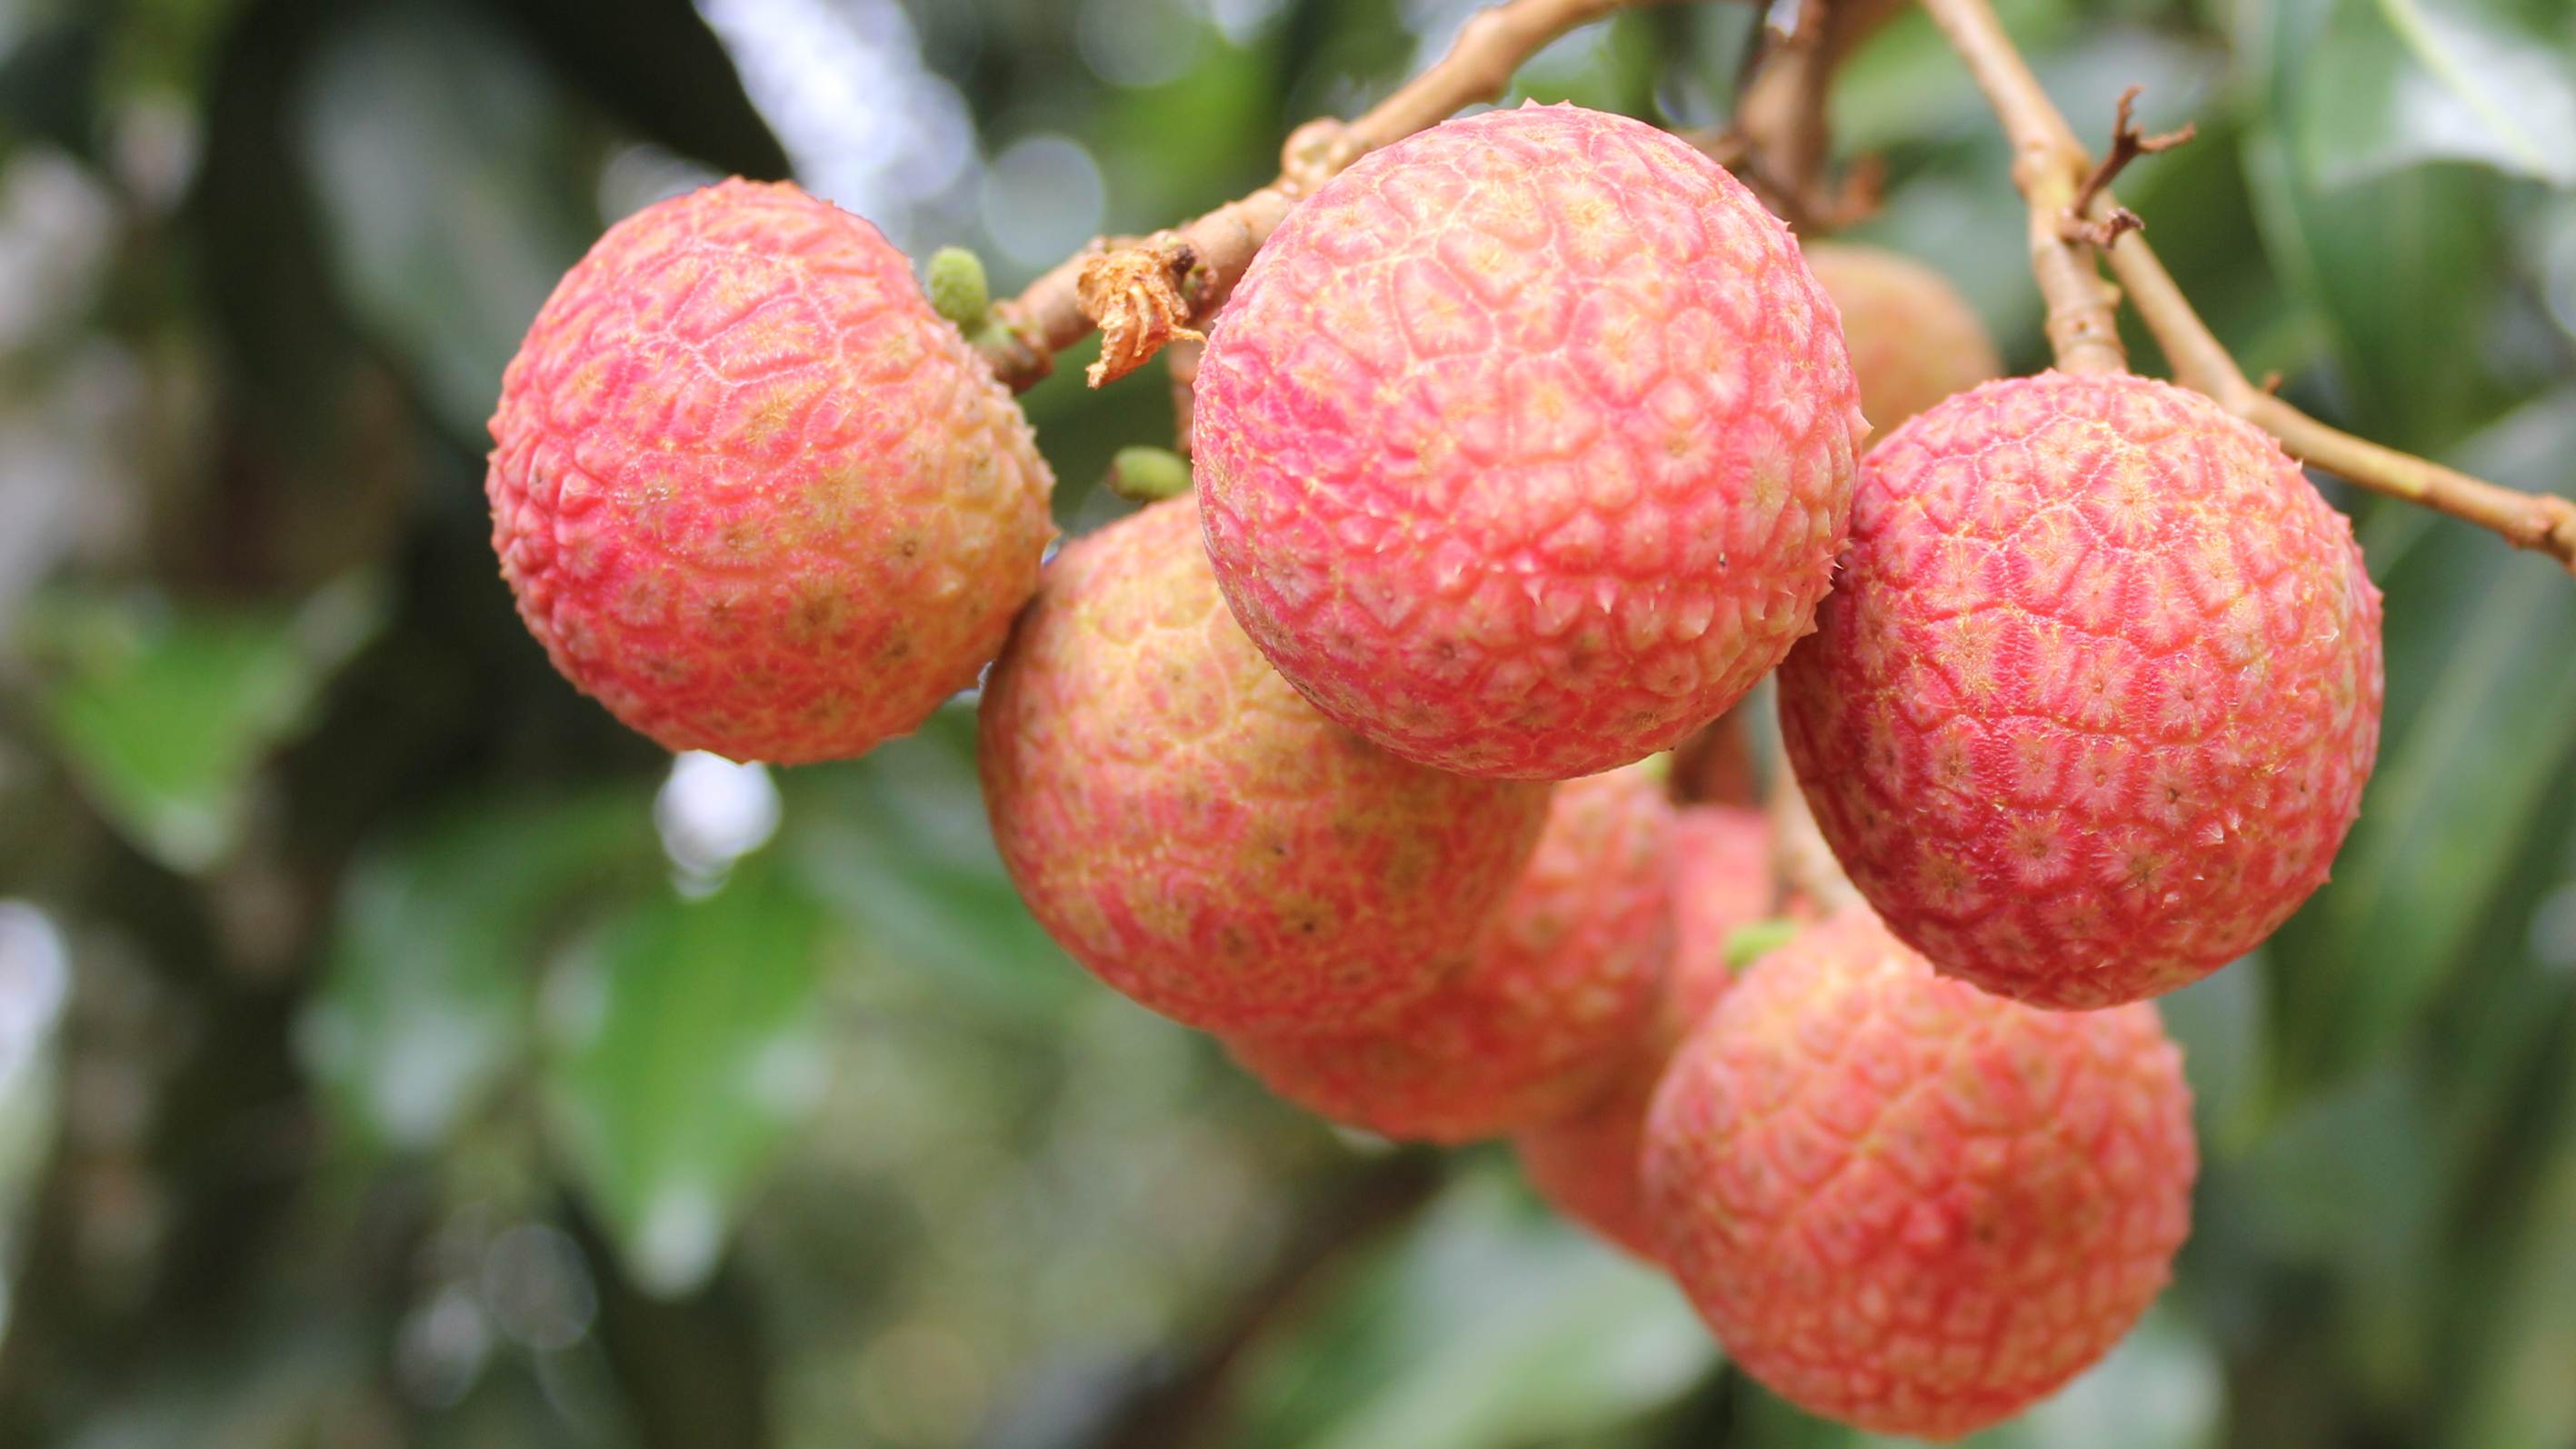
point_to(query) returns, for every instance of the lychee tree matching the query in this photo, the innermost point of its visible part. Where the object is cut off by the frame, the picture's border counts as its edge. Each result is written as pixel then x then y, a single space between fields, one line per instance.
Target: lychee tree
pixel 1725 780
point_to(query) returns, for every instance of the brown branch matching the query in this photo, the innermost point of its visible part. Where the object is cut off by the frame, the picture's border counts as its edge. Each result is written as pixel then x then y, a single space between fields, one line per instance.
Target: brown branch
pixel 1805 862
pixel 2539 521
pixel 1785 140
pixel 2128 143
pixel 2048 164
pixel 1180 276
pixel 2049 158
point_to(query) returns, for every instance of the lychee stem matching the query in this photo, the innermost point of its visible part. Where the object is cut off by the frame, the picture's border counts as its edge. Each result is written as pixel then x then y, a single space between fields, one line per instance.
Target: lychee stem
pixel 2049 170
pixel 1147 475
pixel 1781 142
pixel 957 288
pixel 1747 944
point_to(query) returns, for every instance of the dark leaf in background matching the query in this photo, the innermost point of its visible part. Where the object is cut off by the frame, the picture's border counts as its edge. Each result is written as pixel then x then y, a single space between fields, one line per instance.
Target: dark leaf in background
pixel 682 1050
pixel 2413 81
pixel 425 1004
pixel 2478 727
pixel 166 711
pixel 454 190
pixel 1483 1327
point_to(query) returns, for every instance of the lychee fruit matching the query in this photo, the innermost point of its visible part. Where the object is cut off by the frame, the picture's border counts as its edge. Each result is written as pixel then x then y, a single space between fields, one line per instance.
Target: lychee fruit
pixel 1914 340
pixel 1906 1204
pixel 1527 443
pixel 751 493
pixel 1191 830
pixel 1587 1165
pixel 1539 1013
pixel 2094 699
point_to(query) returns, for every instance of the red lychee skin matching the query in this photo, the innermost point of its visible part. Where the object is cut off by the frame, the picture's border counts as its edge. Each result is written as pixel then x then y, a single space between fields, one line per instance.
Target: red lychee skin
pixel 1527 443
pixel 1914 340
pixel 2094 699
pixel 1906 1204
pixel 1553 997
pixel 1192 831
pixel 752 494
pixel 1587 1165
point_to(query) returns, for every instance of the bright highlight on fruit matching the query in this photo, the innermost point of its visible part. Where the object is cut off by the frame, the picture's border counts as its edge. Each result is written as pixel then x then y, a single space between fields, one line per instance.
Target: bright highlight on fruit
pixel 2093 702
pixel 1908 1205
pixel 1527 444
pixel 1190 829
pixel 751 492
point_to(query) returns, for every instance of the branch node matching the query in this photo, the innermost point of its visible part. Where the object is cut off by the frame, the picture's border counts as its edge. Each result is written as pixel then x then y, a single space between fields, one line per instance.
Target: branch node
pixel 2100 232
pixel 2128 143
pixel 1315 153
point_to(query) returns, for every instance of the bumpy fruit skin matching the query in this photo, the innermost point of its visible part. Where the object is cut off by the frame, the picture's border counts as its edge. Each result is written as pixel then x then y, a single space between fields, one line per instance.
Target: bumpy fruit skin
pixel 1194 833
pixel 2094 699
pixel 1554 995
pixel 1914 340
pixel 1906 1204
pixel 1527 444
pixel 1588 1165
pixel 750 492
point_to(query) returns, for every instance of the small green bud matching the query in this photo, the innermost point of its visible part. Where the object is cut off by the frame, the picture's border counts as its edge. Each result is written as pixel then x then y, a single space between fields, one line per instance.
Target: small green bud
pixel 1750 943
pixel 957 288
pixel 1148 475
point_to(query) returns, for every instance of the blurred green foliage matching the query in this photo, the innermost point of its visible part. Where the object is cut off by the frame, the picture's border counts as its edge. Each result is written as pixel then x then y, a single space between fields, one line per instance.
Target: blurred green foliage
pixel 393 1051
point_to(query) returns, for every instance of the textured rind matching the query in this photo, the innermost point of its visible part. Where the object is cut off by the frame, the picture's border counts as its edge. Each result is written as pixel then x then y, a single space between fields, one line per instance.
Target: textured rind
pixel 2095 697
pixel 1906 1204
pixel 1193 832
pixel 750 492
pixel 1587 1165
pixel 1914 340
pixel 1554 996
pixel 1527 444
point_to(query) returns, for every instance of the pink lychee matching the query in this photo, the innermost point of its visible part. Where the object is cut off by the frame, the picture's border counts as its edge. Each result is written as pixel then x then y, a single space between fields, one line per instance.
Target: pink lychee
pixel 2092 705
pixel 1527 443
pixel 1914 340
pixel 1908 1205
pixel 1191 830
pixel 1552 998
pixel 751 492
pixel 1587 1165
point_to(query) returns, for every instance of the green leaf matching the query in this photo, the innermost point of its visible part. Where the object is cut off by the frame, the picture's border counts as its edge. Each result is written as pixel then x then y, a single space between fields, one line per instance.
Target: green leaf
pixel 685 1048
pixel 2521 1391
pixel 1487 1324
pixel 428 995
pixel 898 844
pixel 2219 1022
pixel 2479 723
pixel 2406 81
pixel 166 711
pixel 2406 269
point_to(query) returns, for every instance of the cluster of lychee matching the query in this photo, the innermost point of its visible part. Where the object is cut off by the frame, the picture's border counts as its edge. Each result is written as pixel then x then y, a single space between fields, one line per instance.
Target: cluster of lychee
pixel 1526 447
